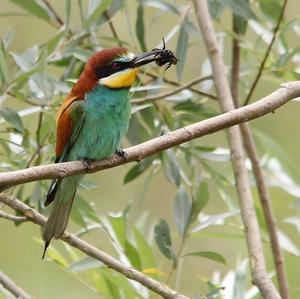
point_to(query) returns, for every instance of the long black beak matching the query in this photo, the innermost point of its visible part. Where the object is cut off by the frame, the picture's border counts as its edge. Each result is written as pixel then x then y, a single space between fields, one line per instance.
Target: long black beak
pixel 145 58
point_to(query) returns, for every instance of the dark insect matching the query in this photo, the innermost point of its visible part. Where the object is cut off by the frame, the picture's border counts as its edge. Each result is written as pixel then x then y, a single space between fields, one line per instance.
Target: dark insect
pixel 165 56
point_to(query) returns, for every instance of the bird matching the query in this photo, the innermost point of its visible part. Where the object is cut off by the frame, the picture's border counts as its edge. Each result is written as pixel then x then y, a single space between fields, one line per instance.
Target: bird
pixel 91 123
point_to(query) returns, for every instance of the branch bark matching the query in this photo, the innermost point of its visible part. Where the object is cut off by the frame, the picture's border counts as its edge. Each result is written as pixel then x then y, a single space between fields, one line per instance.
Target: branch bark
pixel 251 149
pixel 12 287
pixel 252 234
pixel 16 219
pixel 94 252
pixel 270 103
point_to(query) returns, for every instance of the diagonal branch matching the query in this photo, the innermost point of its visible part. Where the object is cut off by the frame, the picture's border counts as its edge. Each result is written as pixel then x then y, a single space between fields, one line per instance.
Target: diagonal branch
pixel 11 286
pixel 94 252
pixel 268 51
pixel 252 234
pixel 264 196
pixel 270 103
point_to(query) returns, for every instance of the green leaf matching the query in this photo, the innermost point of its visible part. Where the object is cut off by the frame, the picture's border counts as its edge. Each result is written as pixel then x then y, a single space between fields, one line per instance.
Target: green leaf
pixel 12 117
pixel 54 255
pixel 3 66
pixel 200 200
pixel 34 8
pixel 240 23
pixel 140 27
pixel 211 255
pixel 137 170
pixel 96 14
pixel 118 224
pixel 270 8
pixel 83 211
pixel 215 8
pixel 171 167
pixel 216 294
pixel 133 255
pixel 84 264
pixel 161 5
pixel 54 42
pixel 182 211
pixel 181 51
pixel 163 239
pixel 241 8
pixel 68 6
pixel 145 250
pixel 212 220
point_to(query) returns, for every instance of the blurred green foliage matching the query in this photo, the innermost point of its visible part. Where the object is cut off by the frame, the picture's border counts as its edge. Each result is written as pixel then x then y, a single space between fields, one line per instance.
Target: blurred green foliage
pixel 33 81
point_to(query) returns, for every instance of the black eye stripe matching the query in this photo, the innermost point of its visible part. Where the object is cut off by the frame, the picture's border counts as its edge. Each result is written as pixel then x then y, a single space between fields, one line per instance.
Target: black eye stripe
pixel 114 67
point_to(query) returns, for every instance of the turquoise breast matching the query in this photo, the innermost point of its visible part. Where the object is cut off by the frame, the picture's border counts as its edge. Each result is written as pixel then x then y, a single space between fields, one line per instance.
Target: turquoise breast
pixel 107 114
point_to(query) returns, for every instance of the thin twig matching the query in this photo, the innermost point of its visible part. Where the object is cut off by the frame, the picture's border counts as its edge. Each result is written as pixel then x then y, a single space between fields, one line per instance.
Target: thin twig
pixel 11 286
pixel 94 252
pixel 250 147
pixel 112 28
pixel 235 65
pixel 58 19
pixel 172 92
pixel 13 218
pixel 265 200
pixel 252 234
pixel 270 103
pixel 174 83
pixel 268 51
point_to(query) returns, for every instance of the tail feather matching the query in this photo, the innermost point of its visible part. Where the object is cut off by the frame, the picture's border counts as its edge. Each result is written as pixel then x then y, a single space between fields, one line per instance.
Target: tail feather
pixel 62 193
pixel 51 192
pixel 57 221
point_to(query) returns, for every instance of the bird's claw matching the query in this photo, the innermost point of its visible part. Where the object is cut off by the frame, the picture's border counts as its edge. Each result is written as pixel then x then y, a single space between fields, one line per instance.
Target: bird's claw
pixel 122 153
pixel 86 162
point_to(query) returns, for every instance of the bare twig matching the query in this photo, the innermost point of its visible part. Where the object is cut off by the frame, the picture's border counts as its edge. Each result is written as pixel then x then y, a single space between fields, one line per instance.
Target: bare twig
pixel 235 66
pixel 254 244
pixel 172 92
pixel 93 252
pixel 174 83
pixel 13 218
pixel 58 19
pixel 270 103
pixel 265 200
pixel 250 147
pixel 112 28
pixel 268 51
pixel 11 286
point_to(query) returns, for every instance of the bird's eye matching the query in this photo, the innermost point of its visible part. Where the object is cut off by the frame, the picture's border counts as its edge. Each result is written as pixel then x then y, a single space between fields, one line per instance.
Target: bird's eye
pixel 116 65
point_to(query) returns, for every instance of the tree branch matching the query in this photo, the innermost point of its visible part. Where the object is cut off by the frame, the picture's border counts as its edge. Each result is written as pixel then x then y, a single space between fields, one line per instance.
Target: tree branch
pixel 251 149
pixel 172 92
pixel 58 19
pixel 16 219
pixel 270 103
pixel 174 83
pixel 94 252
pixel 252 234
pixel 268 51
pixel 11 286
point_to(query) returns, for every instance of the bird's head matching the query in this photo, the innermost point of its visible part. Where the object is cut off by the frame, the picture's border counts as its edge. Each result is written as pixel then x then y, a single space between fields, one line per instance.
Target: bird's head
pixel 113 68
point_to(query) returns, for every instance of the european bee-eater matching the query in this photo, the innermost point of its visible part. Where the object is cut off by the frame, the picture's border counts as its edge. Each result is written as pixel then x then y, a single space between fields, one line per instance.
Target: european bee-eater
pixel 92 121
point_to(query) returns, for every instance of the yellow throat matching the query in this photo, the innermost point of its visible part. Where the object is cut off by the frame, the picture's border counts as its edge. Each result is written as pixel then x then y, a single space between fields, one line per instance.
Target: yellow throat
pixel 120 79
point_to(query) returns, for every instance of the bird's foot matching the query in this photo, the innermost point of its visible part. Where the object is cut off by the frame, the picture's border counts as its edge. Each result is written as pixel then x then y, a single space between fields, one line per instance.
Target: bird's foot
pixel 122 153
pixel 87 162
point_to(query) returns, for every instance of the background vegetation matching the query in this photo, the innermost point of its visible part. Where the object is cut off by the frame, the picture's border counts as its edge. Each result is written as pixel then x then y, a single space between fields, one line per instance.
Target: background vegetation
pixel 173 216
